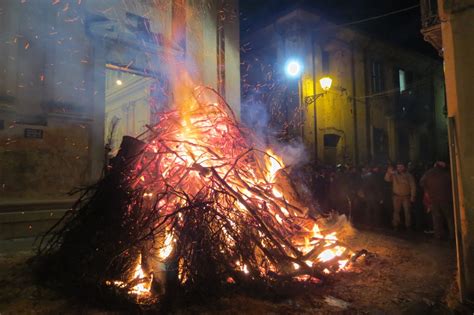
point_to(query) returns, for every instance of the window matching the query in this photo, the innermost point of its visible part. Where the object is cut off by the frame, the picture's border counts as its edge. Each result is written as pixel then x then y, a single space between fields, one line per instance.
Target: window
pixel 140 26
pixel 401 80
pixel 325 62
pixel 380 143
pixel 405 79
pixel 331 140
pixel 139 23
pixel 377 81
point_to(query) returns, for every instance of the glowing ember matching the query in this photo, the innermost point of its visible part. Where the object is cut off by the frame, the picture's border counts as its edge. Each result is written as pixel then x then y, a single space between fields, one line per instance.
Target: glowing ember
pixel 143 282
pixel 167 248
pixel 327 255
pixel 273 164
pixel 142 288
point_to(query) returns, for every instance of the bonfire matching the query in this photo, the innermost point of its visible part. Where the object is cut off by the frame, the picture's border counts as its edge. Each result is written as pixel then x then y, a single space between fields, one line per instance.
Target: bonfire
pixel 194 204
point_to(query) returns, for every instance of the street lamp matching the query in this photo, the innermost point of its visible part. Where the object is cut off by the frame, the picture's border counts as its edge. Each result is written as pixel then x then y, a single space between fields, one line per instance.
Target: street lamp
pixel 293 68
pixel 325 83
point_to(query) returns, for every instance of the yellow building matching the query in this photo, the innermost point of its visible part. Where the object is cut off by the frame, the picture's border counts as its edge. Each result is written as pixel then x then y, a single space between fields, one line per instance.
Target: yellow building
pixel 384 102
pixel 69 69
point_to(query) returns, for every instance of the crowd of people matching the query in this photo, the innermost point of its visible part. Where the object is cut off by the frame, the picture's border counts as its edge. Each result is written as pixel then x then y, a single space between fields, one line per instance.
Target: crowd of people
pixel 399 196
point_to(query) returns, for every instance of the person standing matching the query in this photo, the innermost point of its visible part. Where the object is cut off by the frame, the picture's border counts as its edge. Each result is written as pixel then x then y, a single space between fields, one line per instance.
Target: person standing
pixel 373 194
pixel 436 183
pixel 403 193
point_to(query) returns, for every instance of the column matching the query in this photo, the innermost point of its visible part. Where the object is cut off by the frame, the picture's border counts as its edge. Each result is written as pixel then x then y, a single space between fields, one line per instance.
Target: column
pixel 97 112
pixel 392 139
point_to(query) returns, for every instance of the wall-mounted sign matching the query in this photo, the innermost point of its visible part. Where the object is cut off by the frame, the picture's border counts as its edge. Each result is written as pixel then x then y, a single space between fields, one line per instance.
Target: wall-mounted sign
pixel 33 133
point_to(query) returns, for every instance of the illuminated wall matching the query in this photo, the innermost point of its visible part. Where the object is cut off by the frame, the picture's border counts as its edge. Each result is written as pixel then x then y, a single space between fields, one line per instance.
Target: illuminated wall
pixel 53 58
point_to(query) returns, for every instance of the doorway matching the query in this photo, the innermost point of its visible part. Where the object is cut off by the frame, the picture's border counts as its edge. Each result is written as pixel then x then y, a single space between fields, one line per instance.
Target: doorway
pixel 132 100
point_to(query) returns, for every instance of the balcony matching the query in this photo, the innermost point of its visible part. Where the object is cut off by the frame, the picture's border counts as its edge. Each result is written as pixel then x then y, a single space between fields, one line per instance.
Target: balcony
pixel 430 24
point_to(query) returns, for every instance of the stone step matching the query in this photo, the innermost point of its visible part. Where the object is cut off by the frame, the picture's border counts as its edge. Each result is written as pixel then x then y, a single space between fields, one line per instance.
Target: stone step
pixel 15 225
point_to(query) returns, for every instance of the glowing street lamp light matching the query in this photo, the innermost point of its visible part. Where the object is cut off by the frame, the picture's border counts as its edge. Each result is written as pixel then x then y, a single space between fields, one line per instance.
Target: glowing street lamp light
pixel 293 68
pixel 325 83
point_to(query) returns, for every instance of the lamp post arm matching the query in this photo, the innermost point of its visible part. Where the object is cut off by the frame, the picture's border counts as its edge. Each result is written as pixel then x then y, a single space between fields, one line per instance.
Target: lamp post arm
pixel 312 98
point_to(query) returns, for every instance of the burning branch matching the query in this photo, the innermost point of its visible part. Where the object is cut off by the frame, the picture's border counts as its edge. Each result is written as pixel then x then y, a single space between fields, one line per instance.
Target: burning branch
pixel 193 204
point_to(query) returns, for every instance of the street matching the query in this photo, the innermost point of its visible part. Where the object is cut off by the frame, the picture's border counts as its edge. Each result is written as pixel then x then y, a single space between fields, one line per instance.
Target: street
pixel 402 276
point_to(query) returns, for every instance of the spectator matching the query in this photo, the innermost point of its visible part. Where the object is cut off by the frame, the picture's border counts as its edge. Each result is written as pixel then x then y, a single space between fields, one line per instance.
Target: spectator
pixel 337 193
pixel 404 193
pixel 427 211
pixel 422 218
pixel 437 184
pixel 373 194
pixel 320 187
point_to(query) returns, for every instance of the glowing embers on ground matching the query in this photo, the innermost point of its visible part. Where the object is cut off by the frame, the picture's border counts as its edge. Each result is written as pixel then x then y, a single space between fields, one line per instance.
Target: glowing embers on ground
pixel 330 250
pixel 210 189
pixel 139 283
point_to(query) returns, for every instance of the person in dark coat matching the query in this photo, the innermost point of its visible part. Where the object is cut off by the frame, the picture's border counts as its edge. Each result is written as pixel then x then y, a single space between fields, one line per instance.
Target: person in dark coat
pixel 339 192
pixel 437 184
pixel 373 191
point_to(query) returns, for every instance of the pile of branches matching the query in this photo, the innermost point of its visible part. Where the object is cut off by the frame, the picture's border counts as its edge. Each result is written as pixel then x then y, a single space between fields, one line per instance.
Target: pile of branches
pixel 192 202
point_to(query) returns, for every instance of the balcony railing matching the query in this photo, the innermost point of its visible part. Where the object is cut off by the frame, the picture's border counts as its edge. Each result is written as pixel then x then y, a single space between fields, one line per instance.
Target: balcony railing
pixel 430 24
pixel 429 13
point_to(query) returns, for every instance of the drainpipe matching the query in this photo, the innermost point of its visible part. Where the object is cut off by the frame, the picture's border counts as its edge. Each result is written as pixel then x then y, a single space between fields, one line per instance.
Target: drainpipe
pixel 354 108
pixel 315 119
pixel 368 131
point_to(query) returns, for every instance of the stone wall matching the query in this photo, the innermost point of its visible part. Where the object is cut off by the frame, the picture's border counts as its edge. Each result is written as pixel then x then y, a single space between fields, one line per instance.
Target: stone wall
pixel 47 168
pixel 53 58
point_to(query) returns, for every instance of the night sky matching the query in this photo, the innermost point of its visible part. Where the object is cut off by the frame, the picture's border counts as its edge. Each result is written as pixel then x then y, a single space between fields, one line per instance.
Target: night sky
pixel 402 28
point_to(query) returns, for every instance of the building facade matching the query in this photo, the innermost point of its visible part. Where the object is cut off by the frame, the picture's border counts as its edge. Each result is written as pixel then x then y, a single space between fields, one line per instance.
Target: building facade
pixel 78 75
pixel 448 26
pixel 384 104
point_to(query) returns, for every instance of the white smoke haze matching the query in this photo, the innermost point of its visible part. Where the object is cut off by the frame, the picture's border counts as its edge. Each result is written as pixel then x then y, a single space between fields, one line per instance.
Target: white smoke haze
pixel 256 116
pixel 293 153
